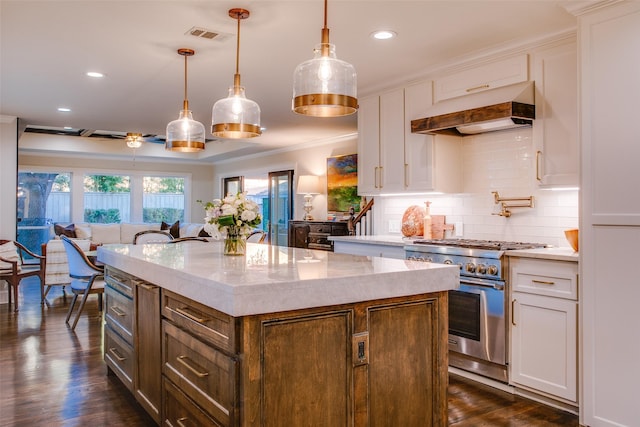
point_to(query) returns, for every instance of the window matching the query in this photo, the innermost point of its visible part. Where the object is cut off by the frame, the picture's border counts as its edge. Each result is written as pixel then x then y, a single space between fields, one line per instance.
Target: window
pixel 107 198
pixel 43 198
pixel 163 199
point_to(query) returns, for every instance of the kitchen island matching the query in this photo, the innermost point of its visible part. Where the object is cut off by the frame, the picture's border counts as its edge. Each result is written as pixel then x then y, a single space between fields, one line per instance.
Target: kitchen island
pixel 280 336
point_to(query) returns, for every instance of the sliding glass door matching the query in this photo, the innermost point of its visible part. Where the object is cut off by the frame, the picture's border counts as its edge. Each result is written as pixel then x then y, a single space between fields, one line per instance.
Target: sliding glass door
pixel 280 209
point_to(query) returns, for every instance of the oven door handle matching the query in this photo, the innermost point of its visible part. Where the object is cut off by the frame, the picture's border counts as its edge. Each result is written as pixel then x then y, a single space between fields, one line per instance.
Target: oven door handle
pixel 499 286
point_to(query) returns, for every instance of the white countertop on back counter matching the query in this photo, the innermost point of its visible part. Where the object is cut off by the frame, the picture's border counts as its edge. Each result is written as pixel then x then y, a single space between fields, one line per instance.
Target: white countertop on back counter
pixel 558 254
pixel 270 279
pixel 384 239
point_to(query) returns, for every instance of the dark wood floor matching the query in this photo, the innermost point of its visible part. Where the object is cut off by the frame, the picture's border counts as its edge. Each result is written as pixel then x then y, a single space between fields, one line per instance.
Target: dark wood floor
pixel 51 376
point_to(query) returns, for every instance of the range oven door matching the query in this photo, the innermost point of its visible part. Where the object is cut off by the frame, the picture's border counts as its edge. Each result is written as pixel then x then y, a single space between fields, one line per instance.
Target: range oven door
pixel 477 325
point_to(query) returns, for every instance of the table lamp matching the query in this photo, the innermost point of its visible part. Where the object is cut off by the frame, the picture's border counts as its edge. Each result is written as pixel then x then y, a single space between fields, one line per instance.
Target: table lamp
pixel 308 185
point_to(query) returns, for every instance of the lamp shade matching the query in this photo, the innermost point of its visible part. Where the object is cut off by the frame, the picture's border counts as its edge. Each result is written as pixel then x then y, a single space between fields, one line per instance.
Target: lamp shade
pixel 308 184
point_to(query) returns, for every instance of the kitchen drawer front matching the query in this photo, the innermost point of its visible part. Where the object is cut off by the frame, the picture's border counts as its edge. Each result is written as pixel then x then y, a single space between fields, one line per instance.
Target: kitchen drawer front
pixel 204 322
pixel 319 228
pixel 119 281
pixel 206 375
pixel 179 410
pixel 118 355
pixel 119 312
pixel 545 277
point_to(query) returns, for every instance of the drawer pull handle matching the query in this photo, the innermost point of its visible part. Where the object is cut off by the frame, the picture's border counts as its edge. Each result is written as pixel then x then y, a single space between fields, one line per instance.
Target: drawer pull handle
pixel 484 86
pixel 513 312
pixel 183 361
pixel 180 422
pixel 118 312
pixel 184 311
pixel 114 353
pixel 543 282
pixel 145 285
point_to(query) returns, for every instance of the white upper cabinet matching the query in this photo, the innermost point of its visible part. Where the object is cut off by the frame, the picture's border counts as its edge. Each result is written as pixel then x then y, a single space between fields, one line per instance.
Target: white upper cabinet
pixel 393 160
pixel 555 129
pixel 484 77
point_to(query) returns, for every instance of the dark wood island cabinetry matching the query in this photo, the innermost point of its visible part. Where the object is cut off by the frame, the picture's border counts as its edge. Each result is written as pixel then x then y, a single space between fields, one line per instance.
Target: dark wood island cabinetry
pixel 364 363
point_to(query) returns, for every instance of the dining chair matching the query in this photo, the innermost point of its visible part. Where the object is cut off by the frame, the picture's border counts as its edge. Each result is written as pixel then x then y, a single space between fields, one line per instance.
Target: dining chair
pixel 13 269
pixel 189 239
pixel 86 278
pixel 152 236
pixel 257 236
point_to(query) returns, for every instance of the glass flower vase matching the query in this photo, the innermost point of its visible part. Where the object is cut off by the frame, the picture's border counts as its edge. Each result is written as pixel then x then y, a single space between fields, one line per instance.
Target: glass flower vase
pixel 235 244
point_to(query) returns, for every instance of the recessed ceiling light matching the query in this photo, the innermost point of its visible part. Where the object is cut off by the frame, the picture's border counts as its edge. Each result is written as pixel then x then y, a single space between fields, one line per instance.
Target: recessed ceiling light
pixel 383 34
pixel 68 128
pixel 64 109
pixel 94 74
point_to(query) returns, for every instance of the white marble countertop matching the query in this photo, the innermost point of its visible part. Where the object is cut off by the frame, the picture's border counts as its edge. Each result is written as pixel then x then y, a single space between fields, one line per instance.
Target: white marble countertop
pixel 558 254
pixel 383 239
pixel 271 278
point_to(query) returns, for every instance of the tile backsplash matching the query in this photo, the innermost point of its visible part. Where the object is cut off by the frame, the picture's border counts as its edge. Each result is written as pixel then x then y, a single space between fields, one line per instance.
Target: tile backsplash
pixel 498 161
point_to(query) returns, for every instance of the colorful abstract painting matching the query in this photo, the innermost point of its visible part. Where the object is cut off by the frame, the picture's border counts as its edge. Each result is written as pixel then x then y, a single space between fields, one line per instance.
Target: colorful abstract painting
pixel 342 184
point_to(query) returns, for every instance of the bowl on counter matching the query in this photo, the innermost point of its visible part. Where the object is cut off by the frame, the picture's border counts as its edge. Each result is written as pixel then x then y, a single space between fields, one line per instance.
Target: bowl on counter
pixel 572 238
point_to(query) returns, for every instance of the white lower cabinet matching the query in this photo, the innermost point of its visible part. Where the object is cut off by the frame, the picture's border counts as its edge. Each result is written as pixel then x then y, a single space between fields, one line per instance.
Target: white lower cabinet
pixel 544 327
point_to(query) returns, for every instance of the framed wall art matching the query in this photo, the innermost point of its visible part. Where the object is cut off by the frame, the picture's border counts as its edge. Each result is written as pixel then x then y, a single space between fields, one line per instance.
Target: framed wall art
pixel 342 184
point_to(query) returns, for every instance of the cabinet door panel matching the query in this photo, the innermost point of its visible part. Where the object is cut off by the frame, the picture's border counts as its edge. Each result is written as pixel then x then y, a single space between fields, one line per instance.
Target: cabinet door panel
pixel 544 334
pixel 368 144
pixel 291 351
pixel 392 141
pixel 148 357
pixel 394 401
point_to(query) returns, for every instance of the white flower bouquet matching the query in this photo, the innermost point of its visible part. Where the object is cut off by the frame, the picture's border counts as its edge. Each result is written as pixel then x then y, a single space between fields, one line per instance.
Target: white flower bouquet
pixel 232 217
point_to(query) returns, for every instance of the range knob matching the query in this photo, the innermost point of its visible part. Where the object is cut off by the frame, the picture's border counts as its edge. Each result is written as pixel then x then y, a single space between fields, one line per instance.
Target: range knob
pixel 493 270
pixel 448 262
pixel 481 269
pixel 470 267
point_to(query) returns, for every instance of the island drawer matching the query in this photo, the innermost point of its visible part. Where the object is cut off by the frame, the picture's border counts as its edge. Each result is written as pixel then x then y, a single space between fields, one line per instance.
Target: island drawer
pixel 119 281
pixel 205 375
pixel 204 322
pixel 119 312
pixel 118 355
pixel 179 410
pixel 545 277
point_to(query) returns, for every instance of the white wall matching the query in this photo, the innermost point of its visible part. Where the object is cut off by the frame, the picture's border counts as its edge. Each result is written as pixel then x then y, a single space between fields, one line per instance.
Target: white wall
pixel 8 176
pixel 498 161
pixel 309 160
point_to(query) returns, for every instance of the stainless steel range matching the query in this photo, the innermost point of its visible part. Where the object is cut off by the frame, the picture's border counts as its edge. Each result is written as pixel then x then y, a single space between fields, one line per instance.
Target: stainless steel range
pixel 478 309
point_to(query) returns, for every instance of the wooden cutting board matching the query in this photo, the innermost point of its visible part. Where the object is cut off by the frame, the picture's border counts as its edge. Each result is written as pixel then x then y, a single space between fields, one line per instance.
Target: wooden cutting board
pixel 438 226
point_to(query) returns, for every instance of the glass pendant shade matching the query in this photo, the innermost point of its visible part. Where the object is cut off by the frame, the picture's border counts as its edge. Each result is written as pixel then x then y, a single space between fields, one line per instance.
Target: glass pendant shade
pixel 185 134
pixel 325 86
pixel 236 116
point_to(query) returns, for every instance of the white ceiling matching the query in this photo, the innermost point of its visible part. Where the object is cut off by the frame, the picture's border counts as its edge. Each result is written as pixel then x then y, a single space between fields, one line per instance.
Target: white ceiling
pixel 47 46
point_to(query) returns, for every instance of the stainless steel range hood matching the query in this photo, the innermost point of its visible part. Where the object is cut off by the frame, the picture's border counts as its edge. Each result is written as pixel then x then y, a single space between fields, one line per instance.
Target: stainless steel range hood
pixel 503 108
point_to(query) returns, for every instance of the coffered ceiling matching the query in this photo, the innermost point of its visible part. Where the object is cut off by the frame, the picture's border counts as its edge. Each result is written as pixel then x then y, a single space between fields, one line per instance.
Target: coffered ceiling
pixel 48 46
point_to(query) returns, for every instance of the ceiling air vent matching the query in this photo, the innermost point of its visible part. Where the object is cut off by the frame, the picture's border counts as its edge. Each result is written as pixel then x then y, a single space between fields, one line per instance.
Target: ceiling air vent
pixel 203 33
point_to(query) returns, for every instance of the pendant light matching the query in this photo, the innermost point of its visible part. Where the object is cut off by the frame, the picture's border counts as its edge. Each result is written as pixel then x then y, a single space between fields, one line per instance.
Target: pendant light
pixel 236 116
pixel 324 86
pixel 185 134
